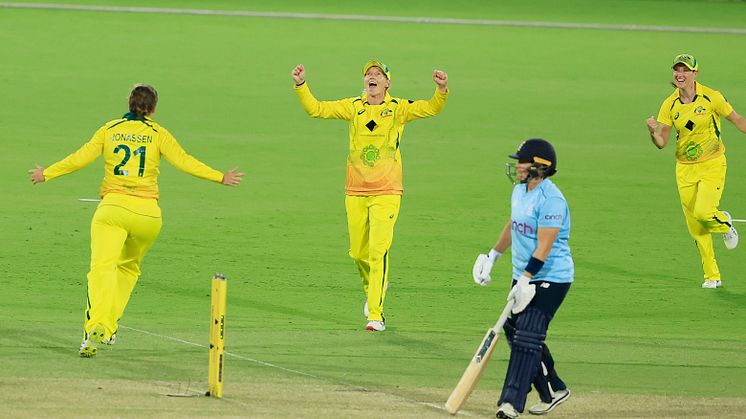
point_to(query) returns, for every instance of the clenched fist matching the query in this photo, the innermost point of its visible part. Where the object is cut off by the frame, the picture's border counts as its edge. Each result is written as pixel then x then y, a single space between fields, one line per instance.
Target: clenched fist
pixel 440 78
pixel 299 74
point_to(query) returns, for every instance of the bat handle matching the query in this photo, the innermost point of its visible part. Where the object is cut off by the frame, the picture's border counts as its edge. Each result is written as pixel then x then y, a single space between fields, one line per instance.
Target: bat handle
pixel 503 316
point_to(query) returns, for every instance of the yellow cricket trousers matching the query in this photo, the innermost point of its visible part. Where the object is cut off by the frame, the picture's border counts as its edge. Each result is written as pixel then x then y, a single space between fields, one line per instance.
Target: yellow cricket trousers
pixel 700 188
pixel 370 222
pixel 122 230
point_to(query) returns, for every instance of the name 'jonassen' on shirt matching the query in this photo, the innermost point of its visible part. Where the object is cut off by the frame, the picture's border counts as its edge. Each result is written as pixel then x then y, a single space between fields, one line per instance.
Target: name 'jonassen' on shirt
pixel 132 138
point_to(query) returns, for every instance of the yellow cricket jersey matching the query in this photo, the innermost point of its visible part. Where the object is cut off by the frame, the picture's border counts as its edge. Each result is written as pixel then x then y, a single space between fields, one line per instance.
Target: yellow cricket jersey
pixel 697 124
pixel 374 164
pixel 132 147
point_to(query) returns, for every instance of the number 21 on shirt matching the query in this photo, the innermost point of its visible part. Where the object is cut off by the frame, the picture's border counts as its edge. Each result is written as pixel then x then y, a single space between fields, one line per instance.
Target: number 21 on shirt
pixel 127 154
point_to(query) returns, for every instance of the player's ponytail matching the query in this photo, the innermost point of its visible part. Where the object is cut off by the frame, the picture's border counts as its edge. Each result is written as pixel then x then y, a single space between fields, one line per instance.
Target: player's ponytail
pixel 143 99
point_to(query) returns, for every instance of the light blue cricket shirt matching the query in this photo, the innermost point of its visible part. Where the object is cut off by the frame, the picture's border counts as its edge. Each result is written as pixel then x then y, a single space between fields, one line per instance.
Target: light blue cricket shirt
pixel 544 206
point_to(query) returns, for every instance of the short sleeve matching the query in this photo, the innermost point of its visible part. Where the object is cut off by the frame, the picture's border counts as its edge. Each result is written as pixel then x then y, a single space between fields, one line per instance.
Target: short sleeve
pixel 664 114
pixel 552 213
pixel 721 105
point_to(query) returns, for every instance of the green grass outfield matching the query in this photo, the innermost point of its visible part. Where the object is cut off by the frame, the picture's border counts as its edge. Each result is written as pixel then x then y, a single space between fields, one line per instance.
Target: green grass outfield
pixel 636 336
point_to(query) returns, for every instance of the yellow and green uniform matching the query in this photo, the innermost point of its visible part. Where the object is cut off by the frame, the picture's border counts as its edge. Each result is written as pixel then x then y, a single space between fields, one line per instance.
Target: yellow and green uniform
pixel 374 184
pixel 697 124
pixel 700 166
pixel 128 219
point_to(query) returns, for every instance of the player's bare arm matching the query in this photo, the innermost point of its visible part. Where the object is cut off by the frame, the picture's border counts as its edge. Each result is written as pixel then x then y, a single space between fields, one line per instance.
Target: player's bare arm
pixel 505 239
pixel 440 78
pixel 545 239
pixel 737 120
pixel 299 74
pixel 659 133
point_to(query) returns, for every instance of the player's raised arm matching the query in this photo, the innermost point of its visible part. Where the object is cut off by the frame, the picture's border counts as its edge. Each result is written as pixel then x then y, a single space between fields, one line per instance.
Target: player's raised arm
pixel 336 109
pixel 426 108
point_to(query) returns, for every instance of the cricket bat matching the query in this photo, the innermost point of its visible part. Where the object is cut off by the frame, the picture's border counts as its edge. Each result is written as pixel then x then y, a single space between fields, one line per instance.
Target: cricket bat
pixel 477 365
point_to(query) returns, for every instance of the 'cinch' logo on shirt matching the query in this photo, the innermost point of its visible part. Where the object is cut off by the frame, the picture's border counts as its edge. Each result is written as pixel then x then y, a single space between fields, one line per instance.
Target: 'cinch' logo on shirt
pixel 522 228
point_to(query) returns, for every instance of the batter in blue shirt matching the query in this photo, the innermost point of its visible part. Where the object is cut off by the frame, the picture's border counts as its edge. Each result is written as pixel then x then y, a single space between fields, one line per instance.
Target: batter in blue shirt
pixel 538 233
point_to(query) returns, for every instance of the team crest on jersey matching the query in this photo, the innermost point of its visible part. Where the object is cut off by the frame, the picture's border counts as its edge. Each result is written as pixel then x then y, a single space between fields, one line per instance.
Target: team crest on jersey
pixel 693 151
pixel 369 155
pixel 386 113
pixel 699 110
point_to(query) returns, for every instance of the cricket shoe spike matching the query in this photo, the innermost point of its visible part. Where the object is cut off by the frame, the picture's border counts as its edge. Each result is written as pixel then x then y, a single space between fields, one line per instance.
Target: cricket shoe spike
pixel 376 326
pixel 507 411
pixel 712 284
pixel 90 343
pixel 543 408
pixel 731 236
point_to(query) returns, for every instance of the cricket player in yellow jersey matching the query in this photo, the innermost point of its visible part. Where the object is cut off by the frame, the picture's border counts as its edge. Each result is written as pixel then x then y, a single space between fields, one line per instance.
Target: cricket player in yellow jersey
pixel 374 168
pixel 128 219
pixel 695 110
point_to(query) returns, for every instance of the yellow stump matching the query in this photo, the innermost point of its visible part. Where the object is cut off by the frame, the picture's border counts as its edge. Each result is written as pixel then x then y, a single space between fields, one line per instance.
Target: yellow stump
pixel 217 336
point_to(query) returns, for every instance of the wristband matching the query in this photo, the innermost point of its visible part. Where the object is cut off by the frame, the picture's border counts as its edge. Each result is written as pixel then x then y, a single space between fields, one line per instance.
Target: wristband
pixel 299 85
pixel 534 266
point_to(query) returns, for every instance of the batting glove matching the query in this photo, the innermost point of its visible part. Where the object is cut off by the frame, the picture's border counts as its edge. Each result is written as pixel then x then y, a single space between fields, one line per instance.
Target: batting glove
pixel 522 294
pixel 483 267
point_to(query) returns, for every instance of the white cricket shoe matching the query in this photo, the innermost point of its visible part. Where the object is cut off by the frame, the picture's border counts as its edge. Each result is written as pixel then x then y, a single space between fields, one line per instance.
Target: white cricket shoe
pixel 112 340
pixel 506 410
pixel 365 309
pixel 712 283
pixel 731 236
pixel 376 326
pixel 543 408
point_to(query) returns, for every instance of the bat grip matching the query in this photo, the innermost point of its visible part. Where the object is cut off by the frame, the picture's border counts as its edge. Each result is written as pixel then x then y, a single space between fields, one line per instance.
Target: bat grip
pixel 503 316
